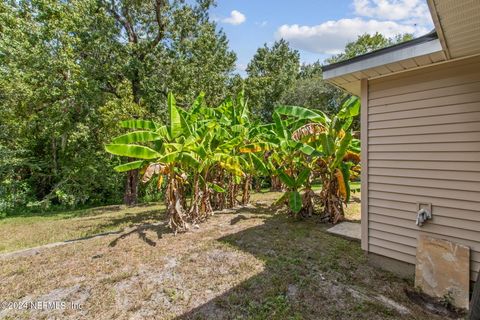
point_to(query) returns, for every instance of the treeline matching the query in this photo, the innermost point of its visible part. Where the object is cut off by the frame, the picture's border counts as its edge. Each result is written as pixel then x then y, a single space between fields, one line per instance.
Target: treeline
pixel 70 70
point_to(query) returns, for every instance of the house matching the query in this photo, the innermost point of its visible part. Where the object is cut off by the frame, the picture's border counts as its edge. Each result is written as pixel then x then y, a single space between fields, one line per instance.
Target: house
pixel 421 135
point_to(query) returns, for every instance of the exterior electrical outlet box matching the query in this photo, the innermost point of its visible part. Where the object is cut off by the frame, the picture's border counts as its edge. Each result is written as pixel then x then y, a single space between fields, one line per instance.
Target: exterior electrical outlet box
pixel 426 206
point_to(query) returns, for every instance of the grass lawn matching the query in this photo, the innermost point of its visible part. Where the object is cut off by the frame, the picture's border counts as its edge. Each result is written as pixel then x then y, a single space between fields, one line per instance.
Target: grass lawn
pixel 27 231
pixel 250 264
pixel 20 232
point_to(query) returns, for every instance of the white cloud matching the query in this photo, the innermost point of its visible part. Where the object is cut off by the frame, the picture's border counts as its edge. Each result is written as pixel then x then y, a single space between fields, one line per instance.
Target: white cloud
pixel 330 37
pixel 235 18
pixel 393 9
pixel 388 17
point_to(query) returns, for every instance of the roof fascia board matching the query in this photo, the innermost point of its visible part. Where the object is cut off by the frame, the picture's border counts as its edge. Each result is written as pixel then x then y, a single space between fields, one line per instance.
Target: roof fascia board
pixel 438 26
pixel 386 58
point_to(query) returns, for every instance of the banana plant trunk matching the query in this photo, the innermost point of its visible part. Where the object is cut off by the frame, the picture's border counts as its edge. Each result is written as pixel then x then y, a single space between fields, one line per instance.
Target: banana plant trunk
pixel 307 202
pixel 276 184
pixel 201 206
pixel 246 190
pixel 130 197
pixel 332 203
pixel 232 192
pixel 218 199
pixel 175 204
pixel 195 201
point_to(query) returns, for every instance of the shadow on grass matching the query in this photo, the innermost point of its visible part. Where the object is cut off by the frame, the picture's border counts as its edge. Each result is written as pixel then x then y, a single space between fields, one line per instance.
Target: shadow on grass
pixel 129 219
pixel 307 275
pixel 141 232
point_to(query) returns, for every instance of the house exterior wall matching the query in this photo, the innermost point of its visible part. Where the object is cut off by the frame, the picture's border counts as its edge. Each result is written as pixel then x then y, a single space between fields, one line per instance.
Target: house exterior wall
pixel 421 136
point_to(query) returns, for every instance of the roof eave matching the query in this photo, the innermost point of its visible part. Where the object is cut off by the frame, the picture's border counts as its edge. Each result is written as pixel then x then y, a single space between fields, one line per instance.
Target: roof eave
pixel 377 59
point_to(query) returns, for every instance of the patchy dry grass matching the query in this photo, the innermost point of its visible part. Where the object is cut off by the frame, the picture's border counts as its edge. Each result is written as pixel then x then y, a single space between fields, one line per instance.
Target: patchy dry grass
pixel 251 264
pixel 27 231
pixel 19 232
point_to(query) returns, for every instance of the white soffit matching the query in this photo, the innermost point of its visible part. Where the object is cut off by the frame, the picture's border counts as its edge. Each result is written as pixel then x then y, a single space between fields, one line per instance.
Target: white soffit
pixel 419 52
pixel 391 57
pixel 458 25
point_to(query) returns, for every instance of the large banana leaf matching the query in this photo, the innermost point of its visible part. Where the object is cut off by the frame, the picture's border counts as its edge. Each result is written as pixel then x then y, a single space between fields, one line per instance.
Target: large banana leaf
pixel 350 108
pixel 197 104
pixel 328 145
pixel 216 187
pixel 279 126
pixel 286 179
pixel 342 149
pixel 346 179
pixel 355 146
pixel 310 151
pixel 238 128
pixel 132 151
pixel 129 166
pixel 190 160
pixel 229 145
pixel 244 105
pixel 175 127
pixel 303 113
pixel 170 157
pixel 173 146
pixel 139 124
pixel 232 166
pixel 259 164
pixel 202 153
pixel 186 125
pixel 302 177
pixel 137 136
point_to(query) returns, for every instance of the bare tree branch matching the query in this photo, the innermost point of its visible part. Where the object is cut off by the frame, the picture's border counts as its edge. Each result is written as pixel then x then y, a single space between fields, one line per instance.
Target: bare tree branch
pixel 132 35
pixel 161 25
pixel 112 9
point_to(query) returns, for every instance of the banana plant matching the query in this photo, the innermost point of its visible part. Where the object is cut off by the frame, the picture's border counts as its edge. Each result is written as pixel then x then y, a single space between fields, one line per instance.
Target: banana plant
pixel 209 154
pixel 331 149
pixel 292 197
pixel 162 150
pixel 202 152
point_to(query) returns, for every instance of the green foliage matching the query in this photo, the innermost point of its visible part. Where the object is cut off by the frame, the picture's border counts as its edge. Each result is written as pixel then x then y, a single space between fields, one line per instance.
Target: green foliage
pixel 129 166
pixel 132 151
pixel 302 113
pixel 314 144
pixel 211 149
pixel 71 70
pixel 271 73
pixel 366 43
pixel 75 74
pixel 312 92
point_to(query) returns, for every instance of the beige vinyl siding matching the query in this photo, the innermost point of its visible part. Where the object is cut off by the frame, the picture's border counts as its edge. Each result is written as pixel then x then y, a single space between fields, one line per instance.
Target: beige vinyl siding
pixel 423 130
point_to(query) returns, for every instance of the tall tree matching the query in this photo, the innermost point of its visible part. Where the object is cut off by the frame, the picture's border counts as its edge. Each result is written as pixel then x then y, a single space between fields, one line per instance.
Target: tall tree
pixel 271 73
pixel 69 70
pixel 311 91
pixel 176 38
pixel 367 43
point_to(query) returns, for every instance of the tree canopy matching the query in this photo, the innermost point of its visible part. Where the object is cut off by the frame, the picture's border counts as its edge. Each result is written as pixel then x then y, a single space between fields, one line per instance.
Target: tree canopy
pixel 71 70
pixel 367 43
pixel 270 74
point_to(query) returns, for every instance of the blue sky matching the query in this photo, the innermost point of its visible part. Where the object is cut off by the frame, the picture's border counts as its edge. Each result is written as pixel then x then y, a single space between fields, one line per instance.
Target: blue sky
pixel 317 28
